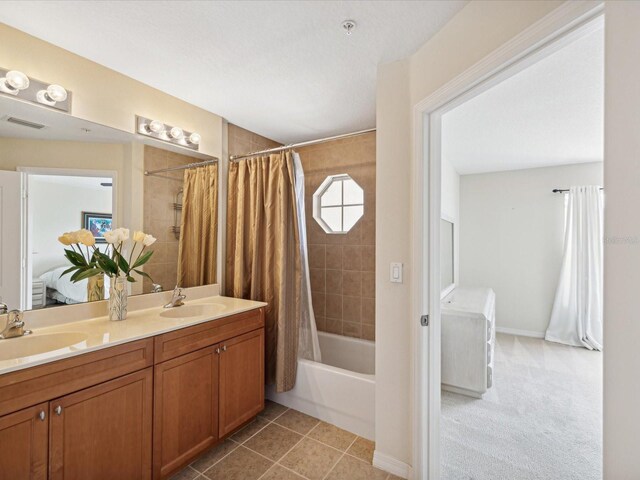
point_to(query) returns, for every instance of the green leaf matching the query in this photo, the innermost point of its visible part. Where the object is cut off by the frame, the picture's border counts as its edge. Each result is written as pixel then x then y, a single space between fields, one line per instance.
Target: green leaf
pixel 68 270
pixel 75 258
pixel 74 277
pixel 144 274
pixel 106 264
pixel 142 259
pixel 131 279
pixel 122 262
pixel 88 273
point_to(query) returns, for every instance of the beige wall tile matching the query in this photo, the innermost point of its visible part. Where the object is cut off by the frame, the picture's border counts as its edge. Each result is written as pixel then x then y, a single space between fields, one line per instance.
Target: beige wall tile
pixel 352 309
pixel 352 257
pixel 368 310
pixel 368 284
pixel 334 257
pixel 334 281
pixel 351 283
pixel 334 307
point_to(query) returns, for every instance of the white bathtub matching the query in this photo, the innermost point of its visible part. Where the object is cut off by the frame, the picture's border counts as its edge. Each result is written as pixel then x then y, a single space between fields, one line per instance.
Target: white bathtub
pixel 341 389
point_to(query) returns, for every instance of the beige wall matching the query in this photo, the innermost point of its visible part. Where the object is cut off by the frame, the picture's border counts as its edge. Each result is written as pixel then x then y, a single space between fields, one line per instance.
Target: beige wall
pixel 622 257
pixel 477 30
pixel 15 152
pixel 243 141
pixel 160 216
pixel 102 95
pixel 342 266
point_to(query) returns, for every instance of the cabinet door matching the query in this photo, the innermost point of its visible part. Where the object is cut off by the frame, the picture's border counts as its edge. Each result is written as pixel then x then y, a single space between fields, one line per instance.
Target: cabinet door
pixel 186 409
pixel 23 444
pixel 103 432
pixel 241 380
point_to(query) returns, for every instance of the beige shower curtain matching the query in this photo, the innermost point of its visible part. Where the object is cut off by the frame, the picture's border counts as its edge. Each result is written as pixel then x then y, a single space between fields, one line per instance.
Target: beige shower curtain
pixel 263 254
pixel 198 248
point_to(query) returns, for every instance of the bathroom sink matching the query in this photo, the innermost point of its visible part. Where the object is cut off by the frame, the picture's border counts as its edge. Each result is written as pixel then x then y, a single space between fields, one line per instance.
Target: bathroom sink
pixel 188 311
pixel 31 345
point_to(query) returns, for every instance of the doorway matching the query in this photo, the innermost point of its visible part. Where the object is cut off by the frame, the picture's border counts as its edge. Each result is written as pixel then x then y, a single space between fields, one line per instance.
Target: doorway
pixel 522 52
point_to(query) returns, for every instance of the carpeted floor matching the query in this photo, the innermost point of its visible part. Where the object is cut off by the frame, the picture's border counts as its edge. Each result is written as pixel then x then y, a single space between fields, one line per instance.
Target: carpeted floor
pixel 541 420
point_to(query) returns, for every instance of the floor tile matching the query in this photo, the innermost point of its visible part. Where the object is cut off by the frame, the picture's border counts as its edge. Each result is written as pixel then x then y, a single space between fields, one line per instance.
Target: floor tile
pixel 241 464
pixel 350 468
pixel 280 473
pixel 272 410
pixel 273 441
pixel 332 435
pixel 187 473
pixel 250 430
pixel 311 459
pixel 363 449
pixel 213 455
pixel 297 421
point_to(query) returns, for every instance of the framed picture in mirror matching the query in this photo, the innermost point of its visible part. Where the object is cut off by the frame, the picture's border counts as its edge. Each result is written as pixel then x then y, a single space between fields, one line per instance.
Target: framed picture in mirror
pixel 97 224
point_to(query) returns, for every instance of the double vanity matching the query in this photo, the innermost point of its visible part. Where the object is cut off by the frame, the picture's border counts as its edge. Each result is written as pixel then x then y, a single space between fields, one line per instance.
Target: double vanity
pixel 136 399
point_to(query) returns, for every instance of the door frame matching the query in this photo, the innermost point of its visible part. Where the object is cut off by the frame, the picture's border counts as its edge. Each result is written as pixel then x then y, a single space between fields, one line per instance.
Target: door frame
pixel 27 281
pixel 550 33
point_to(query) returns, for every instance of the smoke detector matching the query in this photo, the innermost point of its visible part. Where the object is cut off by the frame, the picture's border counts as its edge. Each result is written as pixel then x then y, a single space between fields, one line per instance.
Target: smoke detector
pixel 349 26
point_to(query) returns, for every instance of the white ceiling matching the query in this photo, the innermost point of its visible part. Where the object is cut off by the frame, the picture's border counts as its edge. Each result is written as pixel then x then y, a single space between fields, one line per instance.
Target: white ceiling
pixel 551 113
pixel 285 69
pixel 77 182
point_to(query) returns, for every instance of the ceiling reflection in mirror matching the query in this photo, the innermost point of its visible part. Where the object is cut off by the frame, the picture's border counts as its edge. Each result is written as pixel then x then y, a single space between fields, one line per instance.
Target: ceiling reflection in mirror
pixel 68 188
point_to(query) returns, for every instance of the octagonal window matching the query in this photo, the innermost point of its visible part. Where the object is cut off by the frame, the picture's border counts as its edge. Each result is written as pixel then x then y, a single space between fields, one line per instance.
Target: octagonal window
pixel 338 204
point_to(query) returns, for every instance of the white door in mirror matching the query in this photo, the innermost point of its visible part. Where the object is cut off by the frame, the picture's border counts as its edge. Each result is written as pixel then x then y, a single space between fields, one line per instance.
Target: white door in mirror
pixel 395 272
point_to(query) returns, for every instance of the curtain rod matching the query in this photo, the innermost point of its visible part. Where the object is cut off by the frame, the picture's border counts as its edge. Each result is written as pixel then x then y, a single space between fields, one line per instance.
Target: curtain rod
pixel 563 190
pixel 182 167
pixel 302 144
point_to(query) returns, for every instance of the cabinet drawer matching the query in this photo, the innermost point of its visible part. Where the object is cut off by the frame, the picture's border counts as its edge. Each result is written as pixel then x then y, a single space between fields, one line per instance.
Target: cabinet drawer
pixel 37 288
pixel 174 344
pixel 44 382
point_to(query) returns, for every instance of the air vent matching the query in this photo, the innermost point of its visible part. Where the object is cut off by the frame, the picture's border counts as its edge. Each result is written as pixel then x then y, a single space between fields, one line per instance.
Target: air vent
pixel 25 123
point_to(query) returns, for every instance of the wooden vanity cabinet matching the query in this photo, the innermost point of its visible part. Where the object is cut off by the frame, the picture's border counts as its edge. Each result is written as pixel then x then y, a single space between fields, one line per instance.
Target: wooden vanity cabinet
pixel 186 408
pixel 139 410
pixel 24 443
pixel 103 432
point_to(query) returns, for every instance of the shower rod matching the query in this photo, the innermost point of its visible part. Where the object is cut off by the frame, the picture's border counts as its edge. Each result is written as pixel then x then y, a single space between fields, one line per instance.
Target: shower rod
pixel 564 190
pixel 182 167
pixel 302 144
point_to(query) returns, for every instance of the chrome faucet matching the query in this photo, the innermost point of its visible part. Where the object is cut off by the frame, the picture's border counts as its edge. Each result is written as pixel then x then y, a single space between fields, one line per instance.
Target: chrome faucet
pixel 15 325
pixel 176 299
pixel 3 308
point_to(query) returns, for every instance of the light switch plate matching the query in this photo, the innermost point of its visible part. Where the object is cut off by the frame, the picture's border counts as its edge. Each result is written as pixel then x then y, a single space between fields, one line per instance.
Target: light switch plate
pixel 395 272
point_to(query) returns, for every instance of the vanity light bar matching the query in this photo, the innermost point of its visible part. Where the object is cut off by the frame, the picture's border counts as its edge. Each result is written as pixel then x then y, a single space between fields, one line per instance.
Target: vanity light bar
pixel 17 84
pixel 167 133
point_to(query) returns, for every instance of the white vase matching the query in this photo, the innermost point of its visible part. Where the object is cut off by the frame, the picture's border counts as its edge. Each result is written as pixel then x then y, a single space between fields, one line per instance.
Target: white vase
pixel 118 297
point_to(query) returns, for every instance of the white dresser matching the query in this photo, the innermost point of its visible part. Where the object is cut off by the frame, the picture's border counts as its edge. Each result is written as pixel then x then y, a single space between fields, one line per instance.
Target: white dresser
pixel 468 339
pixel 38 293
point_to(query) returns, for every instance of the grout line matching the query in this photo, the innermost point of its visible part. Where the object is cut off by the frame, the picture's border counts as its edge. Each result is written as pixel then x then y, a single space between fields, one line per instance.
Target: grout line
pixel 275 462
pixel 340 458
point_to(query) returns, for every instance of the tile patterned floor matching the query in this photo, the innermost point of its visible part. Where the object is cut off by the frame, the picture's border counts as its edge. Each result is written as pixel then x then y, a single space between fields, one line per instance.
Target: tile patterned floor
pixel 284 444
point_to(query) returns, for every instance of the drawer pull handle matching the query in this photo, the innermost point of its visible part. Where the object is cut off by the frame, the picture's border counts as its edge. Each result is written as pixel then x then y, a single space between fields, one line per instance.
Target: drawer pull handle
pixel 224 348
pixel 58 410
pixel 218 351
pixel 42 416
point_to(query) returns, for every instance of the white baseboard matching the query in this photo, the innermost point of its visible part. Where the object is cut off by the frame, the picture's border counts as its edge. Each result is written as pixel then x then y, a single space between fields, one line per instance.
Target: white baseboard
pixel 521 333
pixel 391 465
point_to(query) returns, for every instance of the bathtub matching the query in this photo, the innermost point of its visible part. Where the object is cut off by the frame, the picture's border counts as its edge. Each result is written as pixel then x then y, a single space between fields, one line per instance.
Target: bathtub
pixel 341 389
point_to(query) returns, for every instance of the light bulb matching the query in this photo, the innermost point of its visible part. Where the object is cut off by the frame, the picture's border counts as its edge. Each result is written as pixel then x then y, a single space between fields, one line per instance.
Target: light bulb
pixel 195 138
pixel 52 95
pixel 176 133
pixel 156 126
pixel 56 93
pixel 17 80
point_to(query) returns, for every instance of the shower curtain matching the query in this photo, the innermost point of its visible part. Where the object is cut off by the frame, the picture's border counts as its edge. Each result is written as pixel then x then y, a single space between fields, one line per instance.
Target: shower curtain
pixel 576 318
pixel 266 256
pixel 198 247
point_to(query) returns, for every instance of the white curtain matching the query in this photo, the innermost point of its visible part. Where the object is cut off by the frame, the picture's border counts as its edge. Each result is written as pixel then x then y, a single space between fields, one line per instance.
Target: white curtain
pixel 576 318
pixel 308 346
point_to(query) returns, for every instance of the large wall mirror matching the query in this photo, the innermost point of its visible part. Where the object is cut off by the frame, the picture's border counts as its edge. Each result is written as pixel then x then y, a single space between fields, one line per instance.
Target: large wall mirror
pixel 447 275
pixel 61 174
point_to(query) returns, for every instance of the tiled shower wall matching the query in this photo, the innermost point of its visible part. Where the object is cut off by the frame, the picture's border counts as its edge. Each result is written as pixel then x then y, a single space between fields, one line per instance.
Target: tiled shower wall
pixel 243 141
pixel 159 195
pixel 343 265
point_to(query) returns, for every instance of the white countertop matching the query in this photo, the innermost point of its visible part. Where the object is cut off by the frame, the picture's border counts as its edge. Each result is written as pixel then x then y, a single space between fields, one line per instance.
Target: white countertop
pixel 97 333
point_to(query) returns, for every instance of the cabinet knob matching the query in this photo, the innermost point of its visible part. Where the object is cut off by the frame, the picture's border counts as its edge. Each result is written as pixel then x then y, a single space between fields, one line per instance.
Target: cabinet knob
pixel 224 348
pixel 42 416
pixel 58 410
pixel 218 350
